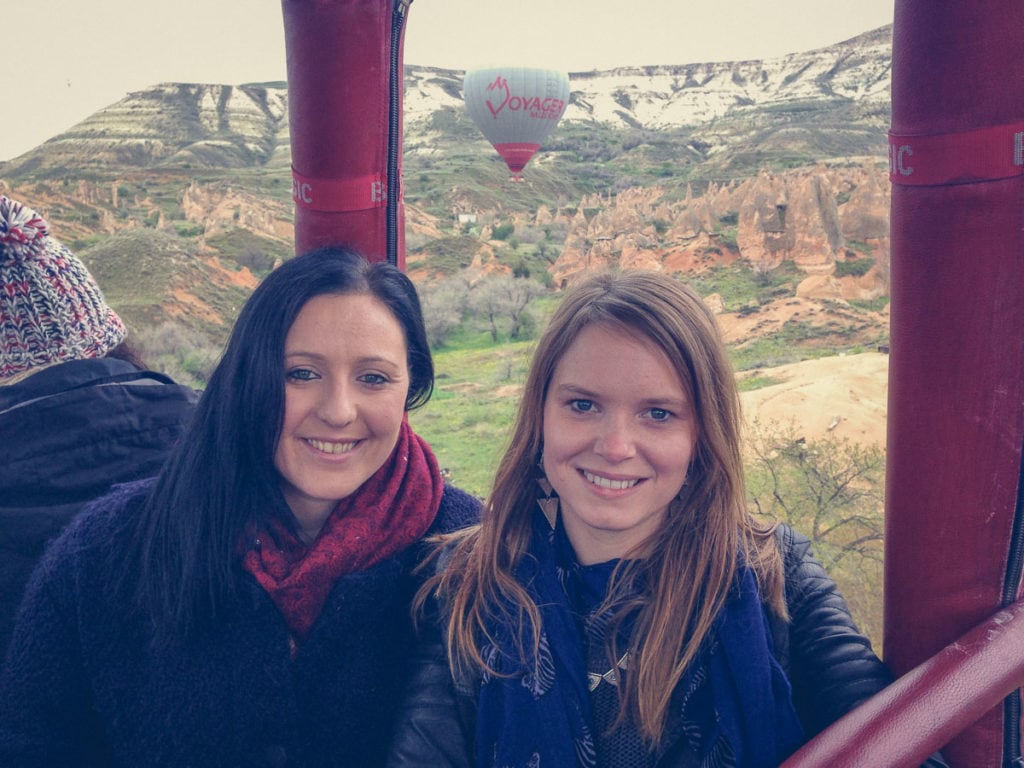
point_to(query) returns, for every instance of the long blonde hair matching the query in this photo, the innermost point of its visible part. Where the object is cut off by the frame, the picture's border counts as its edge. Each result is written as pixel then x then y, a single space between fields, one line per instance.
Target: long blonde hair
pixel 688 565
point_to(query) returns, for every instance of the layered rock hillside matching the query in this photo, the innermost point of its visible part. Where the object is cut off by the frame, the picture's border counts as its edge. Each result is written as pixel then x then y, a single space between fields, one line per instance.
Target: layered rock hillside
pixel 773 167
pixel 813 217
pixel 171 126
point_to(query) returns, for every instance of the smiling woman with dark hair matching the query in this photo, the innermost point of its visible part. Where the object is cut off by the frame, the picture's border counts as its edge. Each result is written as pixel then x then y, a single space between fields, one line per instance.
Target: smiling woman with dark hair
pixel 251 605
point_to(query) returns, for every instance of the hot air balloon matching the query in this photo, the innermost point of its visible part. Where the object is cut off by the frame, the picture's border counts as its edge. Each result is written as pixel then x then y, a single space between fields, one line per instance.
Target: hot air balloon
pixel 516 108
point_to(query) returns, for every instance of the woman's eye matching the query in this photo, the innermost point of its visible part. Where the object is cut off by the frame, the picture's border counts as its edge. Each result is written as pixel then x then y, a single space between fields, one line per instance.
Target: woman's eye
pixel 660 414
pixel 581 406
pixel 300 374
pixel 374 379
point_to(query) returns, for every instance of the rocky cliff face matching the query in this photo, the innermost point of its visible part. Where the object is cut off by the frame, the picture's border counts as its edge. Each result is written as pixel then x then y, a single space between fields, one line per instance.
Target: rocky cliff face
pixel 171 126
pixel 222 208
pixel 191 126
pixel 683 157
pixel 814 217
pixel 663 97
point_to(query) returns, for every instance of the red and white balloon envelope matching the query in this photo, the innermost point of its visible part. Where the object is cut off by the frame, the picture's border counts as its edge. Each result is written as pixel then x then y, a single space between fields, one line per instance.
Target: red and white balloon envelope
pixel 516 108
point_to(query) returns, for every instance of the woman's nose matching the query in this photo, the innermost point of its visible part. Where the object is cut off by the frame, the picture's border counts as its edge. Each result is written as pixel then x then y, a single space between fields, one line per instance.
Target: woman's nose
pixel 615 439
pixel 337 407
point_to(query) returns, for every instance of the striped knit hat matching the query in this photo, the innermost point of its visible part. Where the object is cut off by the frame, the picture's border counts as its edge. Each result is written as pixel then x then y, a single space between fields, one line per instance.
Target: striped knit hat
pixel 51 310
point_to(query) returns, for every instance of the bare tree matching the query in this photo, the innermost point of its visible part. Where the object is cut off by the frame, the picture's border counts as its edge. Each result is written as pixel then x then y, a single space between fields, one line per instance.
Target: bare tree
pixel 443 304
pixel 503 301
pixel 831 490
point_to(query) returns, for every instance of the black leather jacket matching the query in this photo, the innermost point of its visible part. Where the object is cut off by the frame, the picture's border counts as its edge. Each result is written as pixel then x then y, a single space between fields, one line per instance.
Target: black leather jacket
pixel 829 662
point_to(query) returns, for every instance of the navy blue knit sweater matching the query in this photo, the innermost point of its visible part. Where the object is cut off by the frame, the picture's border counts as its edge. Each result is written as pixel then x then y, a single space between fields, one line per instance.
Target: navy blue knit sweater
pixel 83 685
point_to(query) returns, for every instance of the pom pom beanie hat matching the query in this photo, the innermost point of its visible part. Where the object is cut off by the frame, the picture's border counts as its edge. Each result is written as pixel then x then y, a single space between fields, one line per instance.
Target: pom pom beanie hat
pixel 51 310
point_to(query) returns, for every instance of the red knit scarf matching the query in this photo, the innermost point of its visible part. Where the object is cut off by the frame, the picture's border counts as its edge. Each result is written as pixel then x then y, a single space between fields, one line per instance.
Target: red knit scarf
pixel 386 514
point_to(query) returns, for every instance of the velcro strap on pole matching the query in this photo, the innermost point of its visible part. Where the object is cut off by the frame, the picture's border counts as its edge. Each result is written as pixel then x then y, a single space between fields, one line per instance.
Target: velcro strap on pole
pixel 339 195
pixel 984 154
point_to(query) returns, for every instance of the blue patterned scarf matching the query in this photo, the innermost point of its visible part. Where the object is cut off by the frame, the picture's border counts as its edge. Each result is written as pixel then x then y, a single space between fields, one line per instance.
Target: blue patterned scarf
pixel 536 713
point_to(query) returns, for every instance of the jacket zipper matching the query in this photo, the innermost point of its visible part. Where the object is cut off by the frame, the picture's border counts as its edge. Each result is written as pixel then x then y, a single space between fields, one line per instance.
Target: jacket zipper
pixel 395 82
pixel 1011 584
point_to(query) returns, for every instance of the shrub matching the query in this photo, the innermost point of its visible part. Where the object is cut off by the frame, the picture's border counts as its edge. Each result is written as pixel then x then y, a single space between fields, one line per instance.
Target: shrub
pixel 502 231
pixel 854 267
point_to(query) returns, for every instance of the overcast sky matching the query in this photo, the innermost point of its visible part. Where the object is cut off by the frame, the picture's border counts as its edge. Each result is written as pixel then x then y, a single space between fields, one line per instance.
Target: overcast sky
pixel 65 59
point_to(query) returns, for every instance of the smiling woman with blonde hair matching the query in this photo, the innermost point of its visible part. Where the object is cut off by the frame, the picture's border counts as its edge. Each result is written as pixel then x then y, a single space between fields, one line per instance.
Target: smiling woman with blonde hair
pixel 618 606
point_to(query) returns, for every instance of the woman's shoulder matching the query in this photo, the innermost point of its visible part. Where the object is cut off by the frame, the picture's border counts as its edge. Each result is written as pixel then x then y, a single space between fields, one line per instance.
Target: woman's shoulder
pixel 807 583
pixel 88 387
pixel 87 559
pixel 802 572
pixel 459 509
pixel 101 522
pixel 793 545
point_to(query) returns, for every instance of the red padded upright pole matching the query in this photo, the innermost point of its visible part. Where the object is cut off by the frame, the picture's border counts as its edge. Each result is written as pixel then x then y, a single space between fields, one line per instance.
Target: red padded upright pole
pixel 343 57
pixel 956 372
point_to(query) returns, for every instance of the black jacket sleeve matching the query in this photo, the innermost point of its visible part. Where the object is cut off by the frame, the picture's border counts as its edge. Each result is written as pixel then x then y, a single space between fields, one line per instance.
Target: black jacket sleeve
pixel 434 723
pixel 829 662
